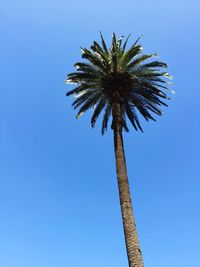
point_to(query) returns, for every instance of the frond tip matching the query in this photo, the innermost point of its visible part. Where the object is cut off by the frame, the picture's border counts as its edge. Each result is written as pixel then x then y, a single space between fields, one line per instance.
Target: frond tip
pixel 106 72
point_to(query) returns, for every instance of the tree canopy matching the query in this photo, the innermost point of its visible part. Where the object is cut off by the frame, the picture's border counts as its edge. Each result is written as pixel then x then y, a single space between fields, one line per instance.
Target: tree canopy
pixel 138 83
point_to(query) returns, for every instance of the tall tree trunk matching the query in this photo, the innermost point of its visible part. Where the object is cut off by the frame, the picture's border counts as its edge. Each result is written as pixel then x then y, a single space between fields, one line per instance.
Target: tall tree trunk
pixel 131 237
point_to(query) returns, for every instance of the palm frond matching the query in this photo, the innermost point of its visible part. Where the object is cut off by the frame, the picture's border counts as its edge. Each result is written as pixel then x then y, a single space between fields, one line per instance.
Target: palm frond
pixel 132 116
pixel 94 59
pixel 77 90
pixel 144 112
pixel 104 44
pixel 125 44
pixel 81 99
pixel 98 51
pixel 130 54
pixel 155 64
pixel 105 119
pixel 100 106
pixel 124 124
pixel 85 67
pixel 119 42
pixel 114 53
pixel 139 60
pixel 80 77
pixel 88 104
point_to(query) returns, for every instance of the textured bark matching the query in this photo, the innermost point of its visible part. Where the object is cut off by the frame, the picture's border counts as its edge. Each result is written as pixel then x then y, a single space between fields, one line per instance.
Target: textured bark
pixel 131 237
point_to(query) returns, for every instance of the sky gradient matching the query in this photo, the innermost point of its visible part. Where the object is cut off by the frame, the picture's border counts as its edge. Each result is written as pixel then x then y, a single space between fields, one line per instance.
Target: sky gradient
pixel 59 203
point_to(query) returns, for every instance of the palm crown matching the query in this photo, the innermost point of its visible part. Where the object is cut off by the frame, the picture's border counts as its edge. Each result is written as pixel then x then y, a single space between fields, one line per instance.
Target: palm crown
pixel 117 73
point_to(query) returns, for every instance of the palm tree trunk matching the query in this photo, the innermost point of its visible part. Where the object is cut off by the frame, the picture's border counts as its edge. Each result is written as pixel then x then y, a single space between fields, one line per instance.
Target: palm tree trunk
pixel 131 237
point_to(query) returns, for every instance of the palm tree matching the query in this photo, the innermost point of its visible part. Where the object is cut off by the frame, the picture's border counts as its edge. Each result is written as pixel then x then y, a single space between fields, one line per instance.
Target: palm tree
pixel 120 82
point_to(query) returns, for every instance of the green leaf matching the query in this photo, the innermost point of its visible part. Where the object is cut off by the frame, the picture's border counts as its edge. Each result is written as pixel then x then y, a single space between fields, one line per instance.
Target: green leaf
pixel 88 104
pixel 129 55
pixel 139 60
pixel 106 118
pixel 155 64
pixel 77 90
pixel 81 99
pixel 125 44
pixel 100 64
pixel 104 44
pixel 97 111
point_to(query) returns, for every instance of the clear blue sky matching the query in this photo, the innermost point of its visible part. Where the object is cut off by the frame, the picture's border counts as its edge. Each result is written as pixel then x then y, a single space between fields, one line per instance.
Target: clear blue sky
pixel 58 192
